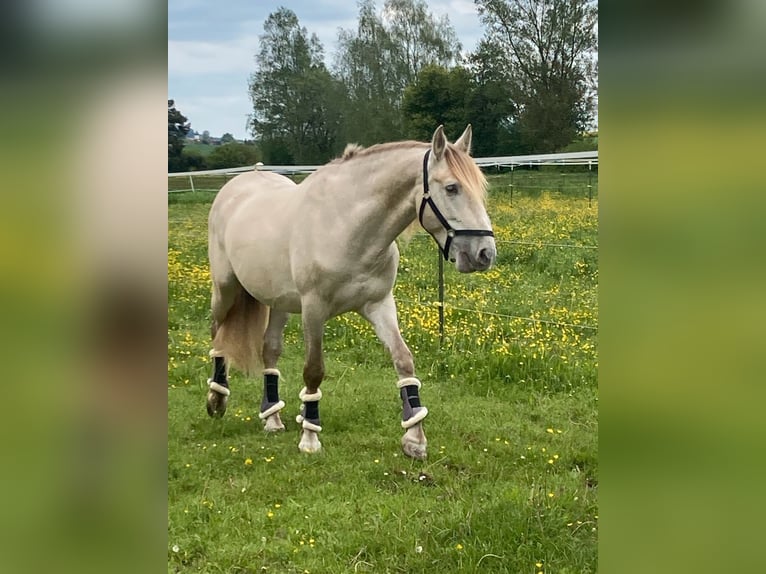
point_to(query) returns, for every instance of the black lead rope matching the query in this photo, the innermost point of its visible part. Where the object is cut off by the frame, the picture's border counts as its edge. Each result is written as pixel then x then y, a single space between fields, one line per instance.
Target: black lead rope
pixel 451 232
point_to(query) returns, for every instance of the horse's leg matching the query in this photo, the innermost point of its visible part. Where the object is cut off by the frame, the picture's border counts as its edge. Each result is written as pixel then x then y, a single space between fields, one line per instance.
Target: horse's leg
pixel 313 373
pixel 223 298
pixel 272 349
pixel 382 315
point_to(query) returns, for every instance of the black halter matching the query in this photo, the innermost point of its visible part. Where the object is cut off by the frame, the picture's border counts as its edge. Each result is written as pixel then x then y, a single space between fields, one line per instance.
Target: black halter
pixel 451 232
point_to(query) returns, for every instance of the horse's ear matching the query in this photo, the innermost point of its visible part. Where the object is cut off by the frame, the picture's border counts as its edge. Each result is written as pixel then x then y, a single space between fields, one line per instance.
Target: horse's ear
pixel 464 141
pixel 438 143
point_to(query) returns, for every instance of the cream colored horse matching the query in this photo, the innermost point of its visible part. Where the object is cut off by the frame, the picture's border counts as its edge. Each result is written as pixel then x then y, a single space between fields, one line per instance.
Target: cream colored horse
pixel 327 246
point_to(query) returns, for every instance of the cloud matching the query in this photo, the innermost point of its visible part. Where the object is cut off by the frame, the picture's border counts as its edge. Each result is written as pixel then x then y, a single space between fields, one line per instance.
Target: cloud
pixel 198 58
pixel 326 30
pixel 211 52
pixel 201 103
pixel 464 17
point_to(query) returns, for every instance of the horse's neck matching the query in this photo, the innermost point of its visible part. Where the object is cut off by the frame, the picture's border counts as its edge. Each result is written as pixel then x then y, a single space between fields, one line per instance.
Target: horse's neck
pixel 376 193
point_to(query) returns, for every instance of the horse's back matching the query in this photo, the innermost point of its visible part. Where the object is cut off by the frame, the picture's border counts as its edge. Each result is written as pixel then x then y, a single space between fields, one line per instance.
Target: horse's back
pixel 242 189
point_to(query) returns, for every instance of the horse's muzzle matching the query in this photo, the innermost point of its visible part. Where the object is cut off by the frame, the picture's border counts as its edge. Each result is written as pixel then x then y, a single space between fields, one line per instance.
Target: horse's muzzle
pixel 479 258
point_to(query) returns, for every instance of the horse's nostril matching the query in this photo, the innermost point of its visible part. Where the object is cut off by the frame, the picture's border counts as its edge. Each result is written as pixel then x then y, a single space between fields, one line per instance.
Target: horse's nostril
pixel 485 256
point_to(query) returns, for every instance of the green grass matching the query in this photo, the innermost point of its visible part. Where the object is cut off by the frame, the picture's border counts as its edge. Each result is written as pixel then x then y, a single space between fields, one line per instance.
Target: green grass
pixel 512 475
pixel 570 181
pixel 201 182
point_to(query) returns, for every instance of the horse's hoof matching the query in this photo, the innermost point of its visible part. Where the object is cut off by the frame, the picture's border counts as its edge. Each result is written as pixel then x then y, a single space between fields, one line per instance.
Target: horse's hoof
pixel 216 404
pixel 309 442
pixel 414 449
pixel 273 423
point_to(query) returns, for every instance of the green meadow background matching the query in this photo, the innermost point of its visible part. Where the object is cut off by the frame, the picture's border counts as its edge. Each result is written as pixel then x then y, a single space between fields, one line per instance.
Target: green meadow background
pixel 511 481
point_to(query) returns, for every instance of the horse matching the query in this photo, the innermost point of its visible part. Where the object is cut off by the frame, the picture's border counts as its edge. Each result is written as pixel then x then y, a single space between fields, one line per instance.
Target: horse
pixel 327 246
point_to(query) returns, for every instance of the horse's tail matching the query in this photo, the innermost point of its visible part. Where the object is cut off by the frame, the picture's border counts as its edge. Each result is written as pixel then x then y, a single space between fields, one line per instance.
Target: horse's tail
pixel 240 335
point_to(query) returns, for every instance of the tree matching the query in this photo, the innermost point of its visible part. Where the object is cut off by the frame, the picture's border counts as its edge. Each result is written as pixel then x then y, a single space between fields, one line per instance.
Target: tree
pixel 178 127
pixel 205 139
pixel 491 106
pixel 550 47
pixel 193 160
pixel 419 39
pixel 296 102
pixel 363 64
pixel 439 96
pixel 232 155
pixel 456 97
pixel 382 57
pixel 227 138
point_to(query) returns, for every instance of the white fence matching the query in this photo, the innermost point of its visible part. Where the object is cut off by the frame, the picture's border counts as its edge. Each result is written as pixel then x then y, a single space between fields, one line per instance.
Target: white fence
pixel 589 158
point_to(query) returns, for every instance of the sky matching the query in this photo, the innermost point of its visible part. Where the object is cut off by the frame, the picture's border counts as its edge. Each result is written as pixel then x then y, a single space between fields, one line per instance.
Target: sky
pixel 212 45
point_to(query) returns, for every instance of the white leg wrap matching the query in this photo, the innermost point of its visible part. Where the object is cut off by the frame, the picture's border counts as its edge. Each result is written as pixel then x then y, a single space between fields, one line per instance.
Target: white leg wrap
pixel 416 418
pixel 303 396
pixel 406 382
pixel 309 438
pixel 271 410
pixel 215 353
pixel 220 389
pixel 422 411
pixel 312 397
pixel 309 426
pixel 272 372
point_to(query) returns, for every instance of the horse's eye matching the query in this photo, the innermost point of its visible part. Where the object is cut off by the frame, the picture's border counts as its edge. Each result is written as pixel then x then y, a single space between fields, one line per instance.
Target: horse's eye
pixel 451 188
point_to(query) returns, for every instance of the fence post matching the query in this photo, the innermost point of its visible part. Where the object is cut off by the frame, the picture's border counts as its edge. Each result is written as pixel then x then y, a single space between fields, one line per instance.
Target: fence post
pixel 511 185
pixel 191 181
pixel 590 181
pixel 441 297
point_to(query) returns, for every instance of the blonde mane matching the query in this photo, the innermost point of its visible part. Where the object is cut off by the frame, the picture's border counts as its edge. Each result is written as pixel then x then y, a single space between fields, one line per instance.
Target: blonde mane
pixel 460 163
pixel 353 150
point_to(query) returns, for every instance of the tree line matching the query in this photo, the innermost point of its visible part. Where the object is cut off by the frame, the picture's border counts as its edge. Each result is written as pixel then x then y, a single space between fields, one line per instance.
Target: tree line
pixel 529 87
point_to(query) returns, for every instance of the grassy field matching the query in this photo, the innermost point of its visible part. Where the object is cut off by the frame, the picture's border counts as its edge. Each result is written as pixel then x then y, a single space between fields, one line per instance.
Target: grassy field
pixel 511 481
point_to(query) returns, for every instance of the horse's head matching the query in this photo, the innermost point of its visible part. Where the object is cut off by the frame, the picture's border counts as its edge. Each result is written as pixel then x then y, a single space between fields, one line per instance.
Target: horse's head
pixel 451 205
